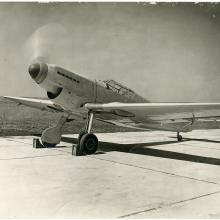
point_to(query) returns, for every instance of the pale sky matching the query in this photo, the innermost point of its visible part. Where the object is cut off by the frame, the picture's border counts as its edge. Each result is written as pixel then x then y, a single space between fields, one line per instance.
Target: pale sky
pixel 165 52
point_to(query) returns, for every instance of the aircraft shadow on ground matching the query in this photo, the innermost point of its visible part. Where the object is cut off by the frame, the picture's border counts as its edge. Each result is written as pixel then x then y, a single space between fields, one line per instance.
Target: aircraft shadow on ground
pixel 145 149
pixel 202 140
pixel 198 139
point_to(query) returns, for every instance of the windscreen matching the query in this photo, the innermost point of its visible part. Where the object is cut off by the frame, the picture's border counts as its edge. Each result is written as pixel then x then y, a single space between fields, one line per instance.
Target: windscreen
pixel 119 88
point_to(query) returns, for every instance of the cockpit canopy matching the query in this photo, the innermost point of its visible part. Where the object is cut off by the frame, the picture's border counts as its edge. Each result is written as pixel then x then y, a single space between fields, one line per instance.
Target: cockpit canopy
pixel 119 88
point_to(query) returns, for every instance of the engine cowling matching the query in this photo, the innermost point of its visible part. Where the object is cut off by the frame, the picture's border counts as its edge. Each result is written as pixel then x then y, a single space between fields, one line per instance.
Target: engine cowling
pixel 43 74
pixel 68 89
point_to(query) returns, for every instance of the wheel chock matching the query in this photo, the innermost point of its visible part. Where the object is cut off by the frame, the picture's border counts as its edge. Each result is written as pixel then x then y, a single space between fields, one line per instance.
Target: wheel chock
pixel 37 143
pixel 76 151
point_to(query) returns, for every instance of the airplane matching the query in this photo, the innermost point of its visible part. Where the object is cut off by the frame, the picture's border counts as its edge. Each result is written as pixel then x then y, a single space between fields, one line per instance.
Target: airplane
pixel 77 97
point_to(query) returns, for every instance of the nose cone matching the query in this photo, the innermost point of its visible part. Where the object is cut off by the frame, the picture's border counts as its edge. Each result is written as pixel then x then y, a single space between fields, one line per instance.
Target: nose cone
pixel 34 70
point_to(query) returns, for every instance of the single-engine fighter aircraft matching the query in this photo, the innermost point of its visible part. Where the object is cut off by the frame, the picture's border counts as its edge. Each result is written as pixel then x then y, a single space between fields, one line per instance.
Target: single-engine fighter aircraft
pixel 78 97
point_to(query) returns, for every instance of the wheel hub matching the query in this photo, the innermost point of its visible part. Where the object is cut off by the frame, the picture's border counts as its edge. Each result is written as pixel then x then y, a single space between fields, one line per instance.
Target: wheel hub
pixel 90 144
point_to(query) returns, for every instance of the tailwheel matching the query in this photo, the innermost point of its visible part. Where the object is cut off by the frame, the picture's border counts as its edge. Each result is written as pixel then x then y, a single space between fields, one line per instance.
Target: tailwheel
pixel 88 144
pixel 179 137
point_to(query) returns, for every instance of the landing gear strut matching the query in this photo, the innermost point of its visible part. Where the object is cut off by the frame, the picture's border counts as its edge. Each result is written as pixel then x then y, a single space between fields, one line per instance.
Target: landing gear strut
pixel 87 142
pixel 179 137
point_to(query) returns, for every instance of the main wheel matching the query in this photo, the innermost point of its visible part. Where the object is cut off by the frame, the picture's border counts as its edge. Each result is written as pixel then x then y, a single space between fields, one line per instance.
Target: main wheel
pixel 88 144
pixel 81 133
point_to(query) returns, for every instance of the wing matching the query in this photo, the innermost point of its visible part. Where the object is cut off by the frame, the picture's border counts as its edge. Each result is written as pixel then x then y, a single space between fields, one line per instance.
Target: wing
pixel 140 114
pixel 42 104
pixel 46 105
pixel 159 111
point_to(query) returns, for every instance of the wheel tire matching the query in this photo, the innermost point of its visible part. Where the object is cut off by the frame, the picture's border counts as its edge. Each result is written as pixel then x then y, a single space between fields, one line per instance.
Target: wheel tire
pixel 88 144
pixel 179 138
pixel 81 133
pixel 76 150
pixel 48 145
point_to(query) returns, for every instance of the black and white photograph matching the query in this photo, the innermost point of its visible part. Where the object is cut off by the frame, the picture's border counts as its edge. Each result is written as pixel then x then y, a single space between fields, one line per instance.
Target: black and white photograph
pixel 109 110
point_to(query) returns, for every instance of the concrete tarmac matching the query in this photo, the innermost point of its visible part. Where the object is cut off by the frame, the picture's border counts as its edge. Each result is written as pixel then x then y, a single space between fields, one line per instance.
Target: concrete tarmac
pixel 133 175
